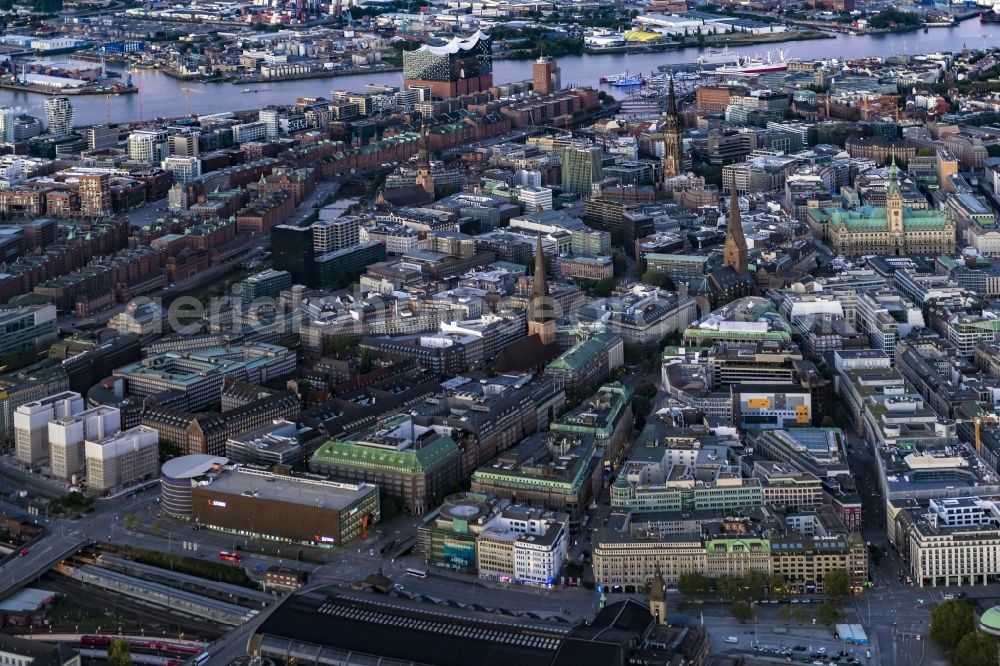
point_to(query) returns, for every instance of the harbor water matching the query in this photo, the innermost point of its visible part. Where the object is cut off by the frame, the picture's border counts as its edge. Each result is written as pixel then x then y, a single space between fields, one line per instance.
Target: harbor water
pixel 162 96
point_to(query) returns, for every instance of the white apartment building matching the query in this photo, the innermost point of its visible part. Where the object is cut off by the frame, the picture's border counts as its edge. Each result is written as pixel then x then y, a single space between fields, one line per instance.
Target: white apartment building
pixel 67 436
pixel 270 118
pixel 31 424
pixel 955 541
pixel 184 169
pixel 886 317
pixel 247 132
pixel 524 545
pixel 535 198
pixel 59 114
pixel 148 146
pixel 7 116
pixel 333 235
pixel 122 460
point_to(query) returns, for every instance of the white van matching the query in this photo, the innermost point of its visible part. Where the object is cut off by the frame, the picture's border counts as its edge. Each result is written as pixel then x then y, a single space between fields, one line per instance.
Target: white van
pixel 732 639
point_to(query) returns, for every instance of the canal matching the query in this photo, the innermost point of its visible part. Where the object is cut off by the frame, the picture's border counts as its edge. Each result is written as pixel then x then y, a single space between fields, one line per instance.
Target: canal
pixel 162 96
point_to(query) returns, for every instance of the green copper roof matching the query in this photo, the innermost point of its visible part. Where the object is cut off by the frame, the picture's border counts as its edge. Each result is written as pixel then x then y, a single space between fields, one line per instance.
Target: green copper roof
pixel 873 218
pixel 414 461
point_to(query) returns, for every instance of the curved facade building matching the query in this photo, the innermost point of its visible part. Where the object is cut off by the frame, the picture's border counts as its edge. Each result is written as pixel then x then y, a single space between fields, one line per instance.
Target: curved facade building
pixel 460 67
pixel 179 475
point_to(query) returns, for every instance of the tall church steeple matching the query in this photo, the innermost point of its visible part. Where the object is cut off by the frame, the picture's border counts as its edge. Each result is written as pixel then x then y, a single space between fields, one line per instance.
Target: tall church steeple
pixel 673 142
pixel 735 252
pixel 541 320
pixel 424 178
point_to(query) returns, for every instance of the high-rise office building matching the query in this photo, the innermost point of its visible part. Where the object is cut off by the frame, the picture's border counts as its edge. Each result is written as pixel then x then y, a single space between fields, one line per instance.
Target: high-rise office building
pixel 581 168
pixel 184 145
pixel 292 251
pixel 266 284
pixel 545 75
pixel 271 122
pixel 67 435
pixel 31 424
pixel 7 117
pixel 102 137
pixel 460 67
pixel 184 169
pixel 122 460
pixel 332 235
pixel 59 114
pixel 26 127
pixel 147 146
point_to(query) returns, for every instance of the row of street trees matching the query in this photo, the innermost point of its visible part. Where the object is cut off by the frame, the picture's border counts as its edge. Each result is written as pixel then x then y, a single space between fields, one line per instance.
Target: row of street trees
pixel 953 627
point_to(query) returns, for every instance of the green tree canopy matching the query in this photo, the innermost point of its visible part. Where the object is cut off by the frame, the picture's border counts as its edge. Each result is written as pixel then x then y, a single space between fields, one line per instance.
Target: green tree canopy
pixel 837 583
pixel 692 584
pixel 827 613
pixel 950 621
pixel 118 653
pixel 741 610
pixel 975 649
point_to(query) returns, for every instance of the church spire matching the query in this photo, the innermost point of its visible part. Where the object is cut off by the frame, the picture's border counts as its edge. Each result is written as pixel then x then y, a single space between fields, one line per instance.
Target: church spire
pixel 673 142
pixel 539 284
pixel 735 252
pixel 541 321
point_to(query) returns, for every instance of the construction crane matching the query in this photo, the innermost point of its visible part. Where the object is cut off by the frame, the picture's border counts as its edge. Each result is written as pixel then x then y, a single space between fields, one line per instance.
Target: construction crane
pixel 978 421
pixel 187 99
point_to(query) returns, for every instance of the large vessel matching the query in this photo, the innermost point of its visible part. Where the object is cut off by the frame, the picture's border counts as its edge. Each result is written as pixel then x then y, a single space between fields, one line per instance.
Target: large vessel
pixel 717 57
pixel 756 65
pixel 990 15
pixel 628 80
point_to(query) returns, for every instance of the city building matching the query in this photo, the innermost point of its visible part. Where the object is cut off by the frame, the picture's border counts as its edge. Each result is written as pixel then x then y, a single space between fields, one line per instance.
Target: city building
pixel 475 533
pixel 412 463
pixel 591 360
pixel 558 471
pixel 954 541
pixel 367 627
pixel 184 169
pixel 148 146
pixel 255 502
pixel 59 114
pixel 277 443
pixel 67 436
pixel 266 284
pixel 581 168
pixel 461 67
pixel 545 77
pixel 893 230
pixel 198 376
pixel 25 331
pixel 31 424
pixel 122 460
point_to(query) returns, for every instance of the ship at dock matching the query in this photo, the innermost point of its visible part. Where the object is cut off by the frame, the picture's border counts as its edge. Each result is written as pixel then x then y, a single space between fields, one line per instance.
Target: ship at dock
pixel 991 15
pixel 713 58
pixel 756 65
